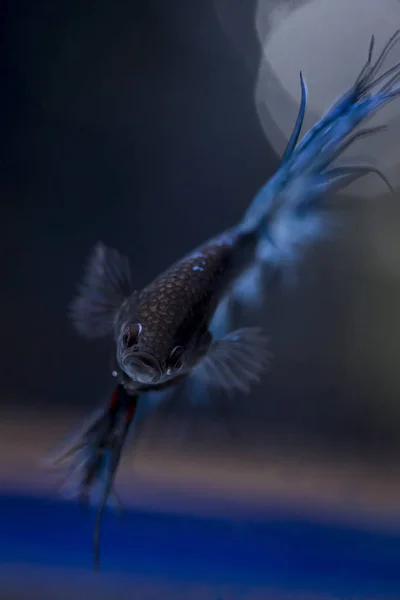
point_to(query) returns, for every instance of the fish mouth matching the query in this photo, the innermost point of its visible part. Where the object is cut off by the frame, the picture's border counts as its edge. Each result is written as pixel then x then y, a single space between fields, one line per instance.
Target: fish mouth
pixel 142 367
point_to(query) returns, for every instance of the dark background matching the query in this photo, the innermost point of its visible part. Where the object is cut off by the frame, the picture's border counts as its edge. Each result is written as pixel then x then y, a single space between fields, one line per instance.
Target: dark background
pixel 135 123
pixel 132 123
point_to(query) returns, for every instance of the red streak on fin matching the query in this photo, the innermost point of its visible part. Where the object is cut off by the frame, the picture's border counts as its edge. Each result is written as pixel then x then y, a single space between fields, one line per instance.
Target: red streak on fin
pixel 115 397
pixel 131 409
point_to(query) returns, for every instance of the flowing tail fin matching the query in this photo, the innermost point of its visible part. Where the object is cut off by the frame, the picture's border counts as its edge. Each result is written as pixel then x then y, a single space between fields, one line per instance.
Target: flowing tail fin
pixel 286 212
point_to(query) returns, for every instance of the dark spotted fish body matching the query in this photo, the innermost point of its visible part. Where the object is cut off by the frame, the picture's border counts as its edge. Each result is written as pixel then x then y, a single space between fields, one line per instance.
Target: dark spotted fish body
pixel 180 303
pixel 175 311
pixel 162 334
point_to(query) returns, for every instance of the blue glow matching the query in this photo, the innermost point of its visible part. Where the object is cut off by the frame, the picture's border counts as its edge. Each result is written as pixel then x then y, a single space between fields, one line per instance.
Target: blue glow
pixel 197 254
pixel 221 323
pixel 345 561
pixel 248 288
pixel 289 204
pixel 197 268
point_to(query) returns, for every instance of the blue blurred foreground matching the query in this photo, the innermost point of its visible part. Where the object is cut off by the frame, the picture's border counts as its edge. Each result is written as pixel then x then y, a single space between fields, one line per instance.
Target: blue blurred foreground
pixel 46 552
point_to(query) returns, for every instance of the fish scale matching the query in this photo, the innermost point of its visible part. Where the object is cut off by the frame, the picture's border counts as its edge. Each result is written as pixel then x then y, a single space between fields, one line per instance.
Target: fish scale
pixel 168 301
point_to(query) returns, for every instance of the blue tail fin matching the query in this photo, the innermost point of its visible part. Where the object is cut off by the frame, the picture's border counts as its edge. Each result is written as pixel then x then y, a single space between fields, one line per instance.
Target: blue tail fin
pixel 287 210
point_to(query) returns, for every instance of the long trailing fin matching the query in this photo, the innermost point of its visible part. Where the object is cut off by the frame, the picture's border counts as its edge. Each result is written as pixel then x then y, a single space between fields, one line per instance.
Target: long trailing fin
pixel 90 458
pixel 115 458
pixel 294 138
pixel 287 211
pixel 353 172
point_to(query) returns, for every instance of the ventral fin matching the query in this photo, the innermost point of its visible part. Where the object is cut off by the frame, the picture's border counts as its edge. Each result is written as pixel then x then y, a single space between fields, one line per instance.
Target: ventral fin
pixel 235 361
pixel 105 285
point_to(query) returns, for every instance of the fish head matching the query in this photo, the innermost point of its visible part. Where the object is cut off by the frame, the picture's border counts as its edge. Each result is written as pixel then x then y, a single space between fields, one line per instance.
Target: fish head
pixel 146 361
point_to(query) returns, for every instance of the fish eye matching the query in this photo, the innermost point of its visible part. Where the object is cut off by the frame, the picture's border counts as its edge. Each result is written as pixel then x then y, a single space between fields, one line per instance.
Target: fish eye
pixel 175 359
pixel 131 335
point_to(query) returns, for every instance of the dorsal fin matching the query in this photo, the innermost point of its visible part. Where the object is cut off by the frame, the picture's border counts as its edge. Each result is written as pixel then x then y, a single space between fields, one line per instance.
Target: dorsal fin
pixel 105 285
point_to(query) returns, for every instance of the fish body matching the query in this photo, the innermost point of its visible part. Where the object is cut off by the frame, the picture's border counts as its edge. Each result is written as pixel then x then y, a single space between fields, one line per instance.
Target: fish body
pixel 163 333
pixel 180 303
pixel 172 315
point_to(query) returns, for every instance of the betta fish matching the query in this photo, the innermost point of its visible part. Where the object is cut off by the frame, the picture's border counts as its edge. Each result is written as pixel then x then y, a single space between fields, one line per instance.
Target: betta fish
pixel 165 334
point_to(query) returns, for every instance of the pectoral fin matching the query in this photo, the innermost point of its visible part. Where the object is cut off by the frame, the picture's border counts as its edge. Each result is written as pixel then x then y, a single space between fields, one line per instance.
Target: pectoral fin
pixel 234 361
